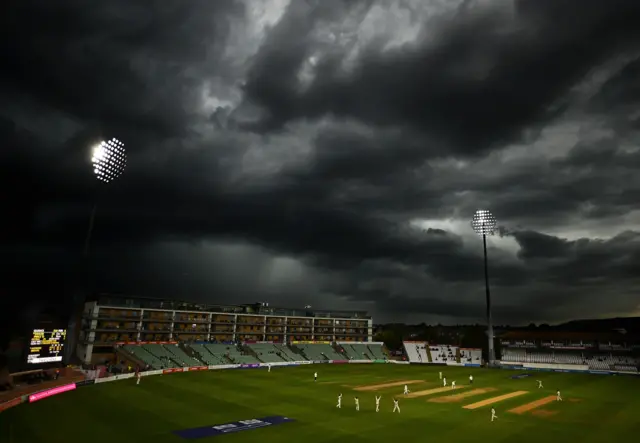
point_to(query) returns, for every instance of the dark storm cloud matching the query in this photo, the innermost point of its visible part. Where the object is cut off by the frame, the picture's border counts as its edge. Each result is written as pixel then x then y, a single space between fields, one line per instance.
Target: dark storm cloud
pixel 120 65
pixel 478 85
pixel 373 136
pixel 582 260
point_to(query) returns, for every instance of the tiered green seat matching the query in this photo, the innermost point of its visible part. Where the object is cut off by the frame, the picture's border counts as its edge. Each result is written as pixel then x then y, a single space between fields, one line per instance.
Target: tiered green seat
pixel 141 354
pixel 377 352
pixel 266 352
pixel 163 355
pixel 182 357
pixel 207 357
pixel 288 353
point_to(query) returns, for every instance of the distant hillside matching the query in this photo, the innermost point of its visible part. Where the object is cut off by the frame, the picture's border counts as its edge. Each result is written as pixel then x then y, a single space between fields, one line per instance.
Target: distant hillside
pixel 630 324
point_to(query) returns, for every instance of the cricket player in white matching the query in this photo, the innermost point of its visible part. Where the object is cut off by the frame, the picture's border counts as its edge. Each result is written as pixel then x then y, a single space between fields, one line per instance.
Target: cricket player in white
pixel 138 376
pixel 453 384
pixel 269 368
pixel 539 384
pixel 396 406
pixel 315 376
pixel 406 390
pixel 558 396
pixel 471 379
pixel 493 414
pixel 357 404
pixel 378 403
pixel 444 381
pixel 440 375
pixel 339 405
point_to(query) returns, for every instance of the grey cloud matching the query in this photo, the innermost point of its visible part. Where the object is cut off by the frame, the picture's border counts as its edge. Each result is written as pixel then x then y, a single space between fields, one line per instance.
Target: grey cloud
pixel 366 147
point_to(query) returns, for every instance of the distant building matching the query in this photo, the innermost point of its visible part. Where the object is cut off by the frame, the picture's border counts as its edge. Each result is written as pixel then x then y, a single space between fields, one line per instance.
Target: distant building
pixel 112 320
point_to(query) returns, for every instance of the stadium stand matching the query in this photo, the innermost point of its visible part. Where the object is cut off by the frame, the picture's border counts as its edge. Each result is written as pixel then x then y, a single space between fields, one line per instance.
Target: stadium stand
pixel 287 353
pixel 239 356
pixel 182 357
pixel 597 362
pixel 606 362
pixel 147 358
pixel 514 355
pixel 524 356
pixel 207 357
pixel 266 352
pixel 473 356
pixel 376 351
pixel 356 351
pixel 160 353
pixel 416 351
pixel 219 350
pixel 443 353
pixel 319 352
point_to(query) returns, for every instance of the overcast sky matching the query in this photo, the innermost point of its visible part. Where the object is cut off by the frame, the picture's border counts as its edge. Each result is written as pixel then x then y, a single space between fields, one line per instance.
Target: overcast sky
pixel 328 152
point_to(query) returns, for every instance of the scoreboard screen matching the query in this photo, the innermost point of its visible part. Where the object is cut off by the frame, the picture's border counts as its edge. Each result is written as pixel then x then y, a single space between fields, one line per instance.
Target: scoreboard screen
pixel 46 346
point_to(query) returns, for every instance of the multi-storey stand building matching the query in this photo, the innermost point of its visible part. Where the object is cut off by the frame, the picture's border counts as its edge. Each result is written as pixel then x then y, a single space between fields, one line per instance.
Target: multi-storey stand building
pixel 113 319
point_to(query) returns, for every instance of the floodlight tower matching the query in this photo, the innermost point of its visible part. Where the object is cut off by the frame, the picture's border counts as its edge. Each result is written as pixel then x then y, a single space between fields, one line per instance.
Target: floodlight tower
pixel 109 160
pixel 484 223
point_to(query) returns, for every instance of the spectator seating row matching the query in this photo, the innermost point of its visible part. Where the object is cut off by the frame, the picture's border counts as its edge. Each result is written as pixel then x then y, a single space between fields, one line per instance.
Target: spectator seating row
pixel 319 352
pixel 473 356
pixel 163 356
pixel 266 352
pixel 416 351
pixel 597 362
pixel 443 353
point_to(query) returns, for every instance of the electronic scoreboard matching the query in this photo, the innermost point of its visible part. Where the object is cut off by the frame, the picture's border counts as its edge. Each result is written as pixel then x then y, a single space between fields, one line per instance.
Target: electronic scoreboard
pixel 46 346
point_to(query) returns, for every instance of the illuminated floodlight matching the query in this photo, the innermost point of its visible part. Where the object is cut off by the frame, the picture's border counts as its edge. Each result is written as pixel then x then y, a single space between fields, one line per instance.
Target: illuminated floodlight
pixel 109 160
pixel 483 222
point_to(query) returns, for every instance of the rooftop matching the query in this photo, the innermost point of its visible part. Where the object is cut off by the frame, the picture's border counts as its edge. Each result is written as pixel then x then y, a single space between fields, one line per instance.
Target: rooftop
pixel 123 301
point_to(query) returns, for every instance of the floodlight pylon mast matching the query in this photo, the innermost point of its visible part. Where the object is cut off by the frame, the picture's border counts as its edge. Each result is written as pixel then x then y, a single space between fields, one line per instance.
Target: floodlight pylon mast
pixel 109 161
pixel 491 351
pixel 87 240
pixel 484 223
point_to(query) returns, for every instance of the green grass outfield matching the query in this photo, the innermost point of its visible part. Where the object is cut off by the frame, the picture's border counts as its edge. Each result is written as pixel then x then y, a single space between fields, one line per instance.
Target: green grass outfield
pixel 596 408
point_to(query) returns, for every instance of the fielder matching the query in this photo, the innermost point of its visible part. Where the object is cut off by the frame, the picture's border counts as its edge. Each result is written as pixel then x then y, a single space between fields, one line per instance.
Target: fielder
pixel 444 381
pixel 471 379
pixel 440 373
pixel 493 414
pixel 406 390
pixel 357 404
pixel 558 396
pixel 315 376
pixel 453 384
pixel 339 405
pixel 378 403
pixel 540 384
pixel 138 377
pixel 396 406
pixel 269 367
